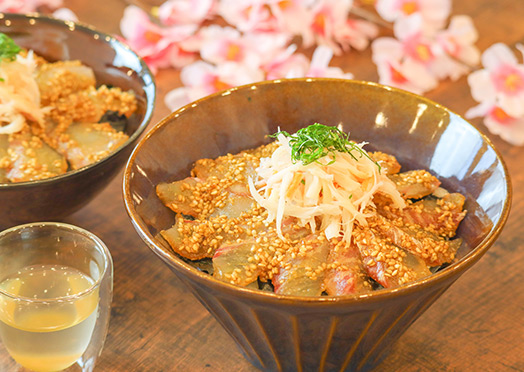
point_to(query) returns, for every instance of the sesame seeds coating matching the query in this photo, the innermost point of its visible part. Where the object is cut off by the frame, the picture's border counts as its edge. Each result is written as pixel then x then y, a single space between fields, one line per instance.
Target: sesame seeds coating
pixel 228 226
pixel 415 184
pixel 71 134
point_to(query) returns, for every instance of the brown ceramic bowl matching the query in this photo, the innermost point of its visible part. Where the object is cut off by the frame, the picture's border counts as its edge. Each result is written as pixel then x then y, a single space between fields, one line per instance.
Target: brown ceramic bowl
pixel 113 63
pixel 289 333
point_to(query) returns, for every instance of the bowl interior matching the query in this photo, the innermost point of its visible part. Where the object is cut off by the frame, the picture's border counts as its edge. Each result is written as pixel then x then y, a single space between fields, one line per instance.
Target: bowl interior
pixel 420 133
pixel 113 63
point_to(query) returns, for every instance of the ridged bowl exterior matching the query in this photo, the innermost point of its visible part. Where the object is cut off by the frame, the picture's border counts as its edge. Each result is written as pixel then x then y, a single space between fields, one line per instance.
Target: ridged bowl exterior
pixel 113 64
pixel 287 333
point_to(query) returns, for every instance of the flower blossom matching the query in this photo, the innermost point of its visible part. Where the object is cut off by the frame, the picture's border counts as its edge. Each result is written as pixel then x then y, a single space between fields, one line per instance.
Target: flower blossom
pixel 356 34
pixel 287 64
pixel 328 17
pixel 319 66
pixel 157 45
pixel 192 12
pixel 296 65
pixel 218 44
pixel 499 89
pixel 433 12
pixel 201 79
pixel 247 15
pixel 404 62
pixel 416 62
pixel 65 14
pixel 458 54
pixel 292 16
pixel 509 128
pixel 501 82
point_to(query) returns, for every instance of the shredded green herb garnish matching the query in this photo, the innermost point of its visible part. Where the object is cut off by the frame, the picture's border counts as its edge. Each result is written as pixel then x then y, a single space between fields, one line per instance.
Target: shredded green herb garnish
pixel 8 48
pixel 312 143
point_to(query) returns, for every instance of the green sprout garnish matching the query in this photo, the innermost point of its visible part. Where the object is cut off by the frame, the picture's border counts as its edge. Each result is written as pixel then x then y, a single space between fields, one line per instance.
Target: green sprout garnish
pixel 312 143
pixel 8 48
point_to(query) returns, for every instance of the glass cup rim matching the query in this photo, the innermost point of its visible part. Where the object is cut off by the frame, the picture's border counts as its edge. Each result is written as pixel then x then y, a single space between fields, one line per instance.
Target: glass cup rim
pixel 69 298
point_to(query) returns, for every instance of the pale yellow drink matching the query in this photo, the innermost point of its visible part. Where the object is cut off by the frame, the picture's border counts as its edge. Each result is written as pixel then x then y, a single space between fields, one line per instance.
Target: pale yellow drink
pixel 47 335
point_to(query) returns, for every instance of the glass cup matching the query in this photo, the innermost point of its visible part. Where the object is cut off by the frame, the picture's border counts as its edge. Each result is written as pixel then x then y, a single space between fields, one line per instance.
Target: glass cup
pixel 56 285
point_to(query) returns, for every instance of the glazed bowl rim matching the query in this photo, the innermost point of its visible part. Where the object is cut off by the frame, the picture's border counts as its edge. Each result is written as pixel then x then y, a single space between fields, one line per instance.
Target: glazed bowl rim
pixel 149 90
pixel 207 280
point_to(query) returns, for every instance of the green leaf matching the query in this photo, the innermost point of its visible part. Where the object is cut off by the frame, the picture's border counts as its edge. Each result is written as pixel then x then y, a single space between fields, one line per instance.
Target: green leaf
pixel 312 143
pixel 8 48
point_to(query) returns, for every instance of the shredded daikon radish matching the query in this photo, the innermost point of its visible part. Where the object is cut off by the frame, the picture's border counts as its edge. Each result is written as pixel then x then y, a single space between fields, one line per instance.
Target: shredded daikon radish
pixel 19 94
pixel 336 189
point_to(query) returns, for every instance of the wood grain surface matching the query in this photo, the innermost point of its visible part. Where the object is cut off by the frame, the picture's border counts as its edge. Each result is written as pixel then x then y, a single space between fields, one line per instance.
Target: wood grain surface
pixel 156 325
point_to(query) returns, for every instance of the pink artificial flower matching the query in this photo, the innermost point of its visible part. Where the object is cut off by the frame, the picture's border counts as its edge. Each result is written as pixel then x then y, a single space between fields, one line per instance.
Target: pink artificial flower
pixel 27 6
pixel 458 54
pixel 247 15
pixel 416 62
pixel 406 74
pixel 458 39
pixel 319 66
pixel 328 17
pixel 218 44
pixel 287 64
pixel 416 45
pixel 323 22
pixel 201 79
pixel 297 66
pixel 356 34
pixel 65 14
pixel 157 45
pixel 403 63
pixel 180 12
pixel 501 82
pixel 293 16
pixel 433 12
pixel 222 44
pixel 509 128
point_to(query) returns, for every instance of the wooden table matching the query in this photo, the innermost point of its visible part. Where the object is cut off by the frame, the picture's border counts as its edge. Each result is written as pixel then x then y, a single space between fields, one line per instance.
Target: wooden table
pixel 156 325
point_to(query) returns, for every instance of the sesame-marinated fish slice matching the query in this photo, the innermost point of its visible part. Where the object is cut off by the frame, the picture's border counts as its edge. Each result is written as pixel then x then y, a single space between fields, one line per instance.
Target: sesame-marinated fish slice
pixel 242 262
pixel 191 247
pixel 194 197
pixel 228 166
pixel 301 273
pixel 388 163
pixel 440 216
pixel 178 195
pixel 234 206
pixel 431 248
pixel 415 184
pixel 197 239
pixel 345 273
pixel 86 143
pixel 86 106
pixel 62 78
pixel 33 159
pixel 235 169
pixel 89 106
pixel 235 263
pixel 200 238
pixel 386 263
